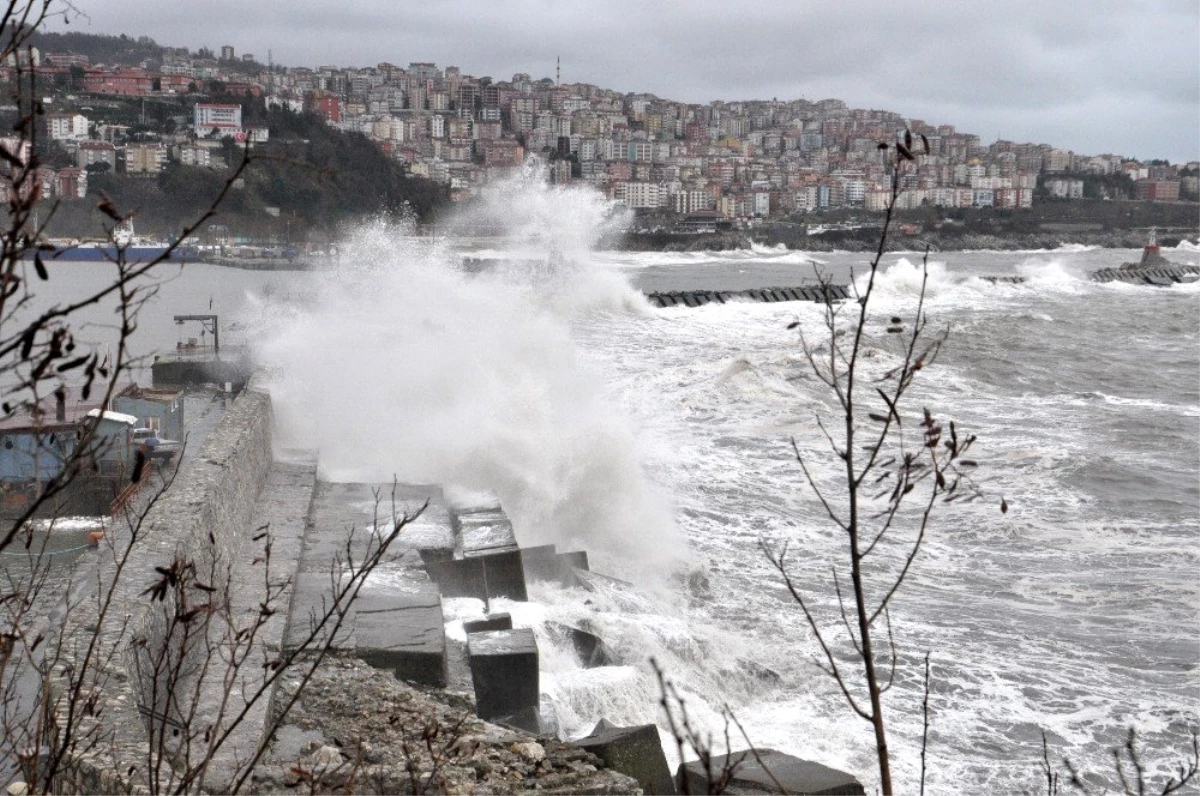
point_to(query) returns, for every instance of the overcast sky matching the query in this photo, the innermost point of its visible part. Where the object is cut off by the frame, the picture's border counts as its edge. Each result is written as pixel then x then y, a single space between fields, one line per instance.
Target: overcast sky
pixel 1100 76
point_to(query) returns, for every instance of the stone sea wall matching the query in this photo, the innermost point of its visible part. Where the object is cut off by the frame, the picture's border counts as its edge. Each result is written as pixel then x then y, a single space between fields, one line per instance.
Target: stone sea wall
pixel 214 493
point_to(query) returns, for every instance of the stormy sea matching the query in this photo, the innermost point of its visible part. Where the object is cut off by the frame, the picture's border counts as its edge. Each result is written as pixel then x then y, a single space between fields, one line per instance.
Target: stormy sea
pixel 661 441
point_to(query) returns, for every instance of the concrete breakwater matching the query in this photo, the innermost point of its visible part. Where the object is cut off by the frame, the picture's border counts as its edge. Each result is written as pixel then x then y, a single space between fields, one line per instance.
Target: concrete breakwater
pixel 214 515
pixel 1160 276
pixel 696 298
pixel 816 292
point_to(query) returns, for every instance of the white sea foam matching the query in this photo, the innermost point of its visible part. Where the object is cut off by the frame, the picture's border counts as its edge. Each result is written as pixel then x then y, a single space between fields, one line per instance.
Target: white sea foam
pixel 405 366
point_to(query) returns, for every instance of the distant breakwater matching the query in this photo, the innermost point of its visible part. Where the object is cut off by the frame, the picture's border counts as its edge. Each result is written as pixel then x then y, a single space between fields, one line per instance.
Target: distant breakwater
pixel 867 239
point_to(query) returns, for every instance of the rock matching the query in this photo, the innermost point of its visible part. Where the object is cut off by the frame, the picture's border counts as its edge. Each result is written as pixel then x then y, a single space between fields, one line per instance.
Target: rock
pixel 530 750
pixel 590 648
pixel 326 757
pixel 635 751
pixel 18 788
pixel 795 775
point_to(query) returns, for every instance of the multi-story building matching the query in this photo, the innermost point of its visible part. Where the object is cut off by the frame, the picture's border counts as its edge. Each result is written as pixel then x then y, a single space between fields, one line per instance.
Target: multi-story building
pixel 1158 190
pixel 72 183
pixel 92 153
pixel 746 159
pixel 67 126
pixel 145 159
pixel 217 120
pixel 1062 188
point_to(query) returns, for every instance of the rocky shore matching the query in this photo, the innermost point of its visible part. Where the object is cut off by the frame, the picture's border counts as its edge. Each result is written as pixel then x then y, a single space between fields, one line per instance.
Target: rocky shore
pixel 357 729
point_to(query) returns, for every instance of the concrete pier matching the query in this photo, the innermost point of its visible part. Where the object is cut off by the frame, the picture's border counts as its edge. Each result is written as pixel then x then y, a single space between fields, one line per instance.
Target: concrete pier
pixel 396 623
pixel 236 489
pixel 399 626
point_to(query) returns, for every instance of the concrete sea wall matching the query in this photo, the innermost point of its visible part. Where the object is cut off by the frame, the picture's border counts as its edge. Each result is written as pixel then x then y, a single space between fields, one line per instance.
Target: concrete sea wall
pixel 204 516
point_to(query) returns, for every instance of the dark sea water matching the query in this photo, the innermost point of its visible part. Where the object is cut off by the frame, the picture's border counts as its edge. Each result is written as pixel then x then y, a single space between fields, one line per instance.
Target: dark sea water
pixel 652 437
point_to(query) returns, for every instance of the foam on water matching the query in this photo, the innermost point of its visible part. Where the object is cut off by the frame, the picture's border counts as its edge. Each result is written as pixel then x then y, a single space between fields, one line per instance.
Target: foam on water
pixel 404 366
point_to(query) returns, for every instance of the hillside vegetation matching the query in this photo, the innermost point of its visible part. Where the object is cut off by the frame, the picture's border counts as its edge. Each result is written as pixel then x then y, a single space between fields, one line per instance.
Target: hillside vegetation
pixel 307 177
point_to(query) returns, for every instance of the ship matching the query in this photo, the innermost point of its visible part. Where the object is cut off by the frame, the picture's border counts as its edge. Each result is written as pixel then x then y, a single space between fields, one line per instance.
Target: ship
pixel 123 241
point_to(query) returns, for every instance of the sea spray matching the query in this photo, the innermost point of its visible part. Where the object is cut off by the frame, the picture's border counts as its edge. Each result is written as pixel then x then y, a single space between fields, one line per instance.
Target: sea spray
pixel 404 365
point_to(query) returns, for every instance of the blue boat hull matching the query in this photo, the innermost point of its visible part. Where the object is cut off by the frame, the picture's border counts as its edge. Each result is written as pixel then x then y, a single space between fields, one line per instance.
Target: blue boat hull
pixel 99 254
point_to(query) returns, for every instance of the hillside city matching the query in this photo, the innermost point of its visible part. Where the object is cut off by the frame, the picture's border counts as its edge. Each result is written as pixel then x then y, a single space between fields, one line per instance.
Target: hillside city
pixel 707 163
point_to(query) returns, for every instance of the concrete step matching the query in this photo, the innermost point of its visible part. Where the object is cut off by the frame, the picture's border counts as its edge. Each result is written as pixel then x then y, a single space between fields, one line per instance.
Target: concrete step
pixel 396 623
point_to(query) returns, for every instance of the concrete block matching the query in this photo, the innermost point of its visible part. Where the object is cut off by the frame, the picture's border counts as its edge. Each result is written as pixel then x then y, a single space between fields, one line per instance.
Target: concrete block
pixel 399 626
pixel 795 775
pixel 577 559
pixel 635 751
pixel 483 576
pixel 458 578
pixel 483 537
pixel 527 720
pixel 501 621
pixel 592 581
pixel 312 597
pixel 339 507
pixel 545 563
pixel 504 670
pixel 590 648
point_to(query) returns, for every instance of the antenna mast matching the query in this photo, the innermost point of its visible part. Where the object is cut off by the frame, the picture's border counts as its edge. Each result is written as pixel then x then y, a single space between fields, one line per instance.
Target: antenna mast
pixel 558 70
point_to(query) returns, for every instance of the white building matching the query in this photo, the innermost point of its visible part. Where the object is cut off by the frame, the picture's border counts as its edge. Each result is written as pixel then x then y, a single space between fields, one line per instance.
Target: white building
pixel 67 126
pixel 1061 188
pixel 640 194
pixel 691 201
pixel 226 120
pixel 195 156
